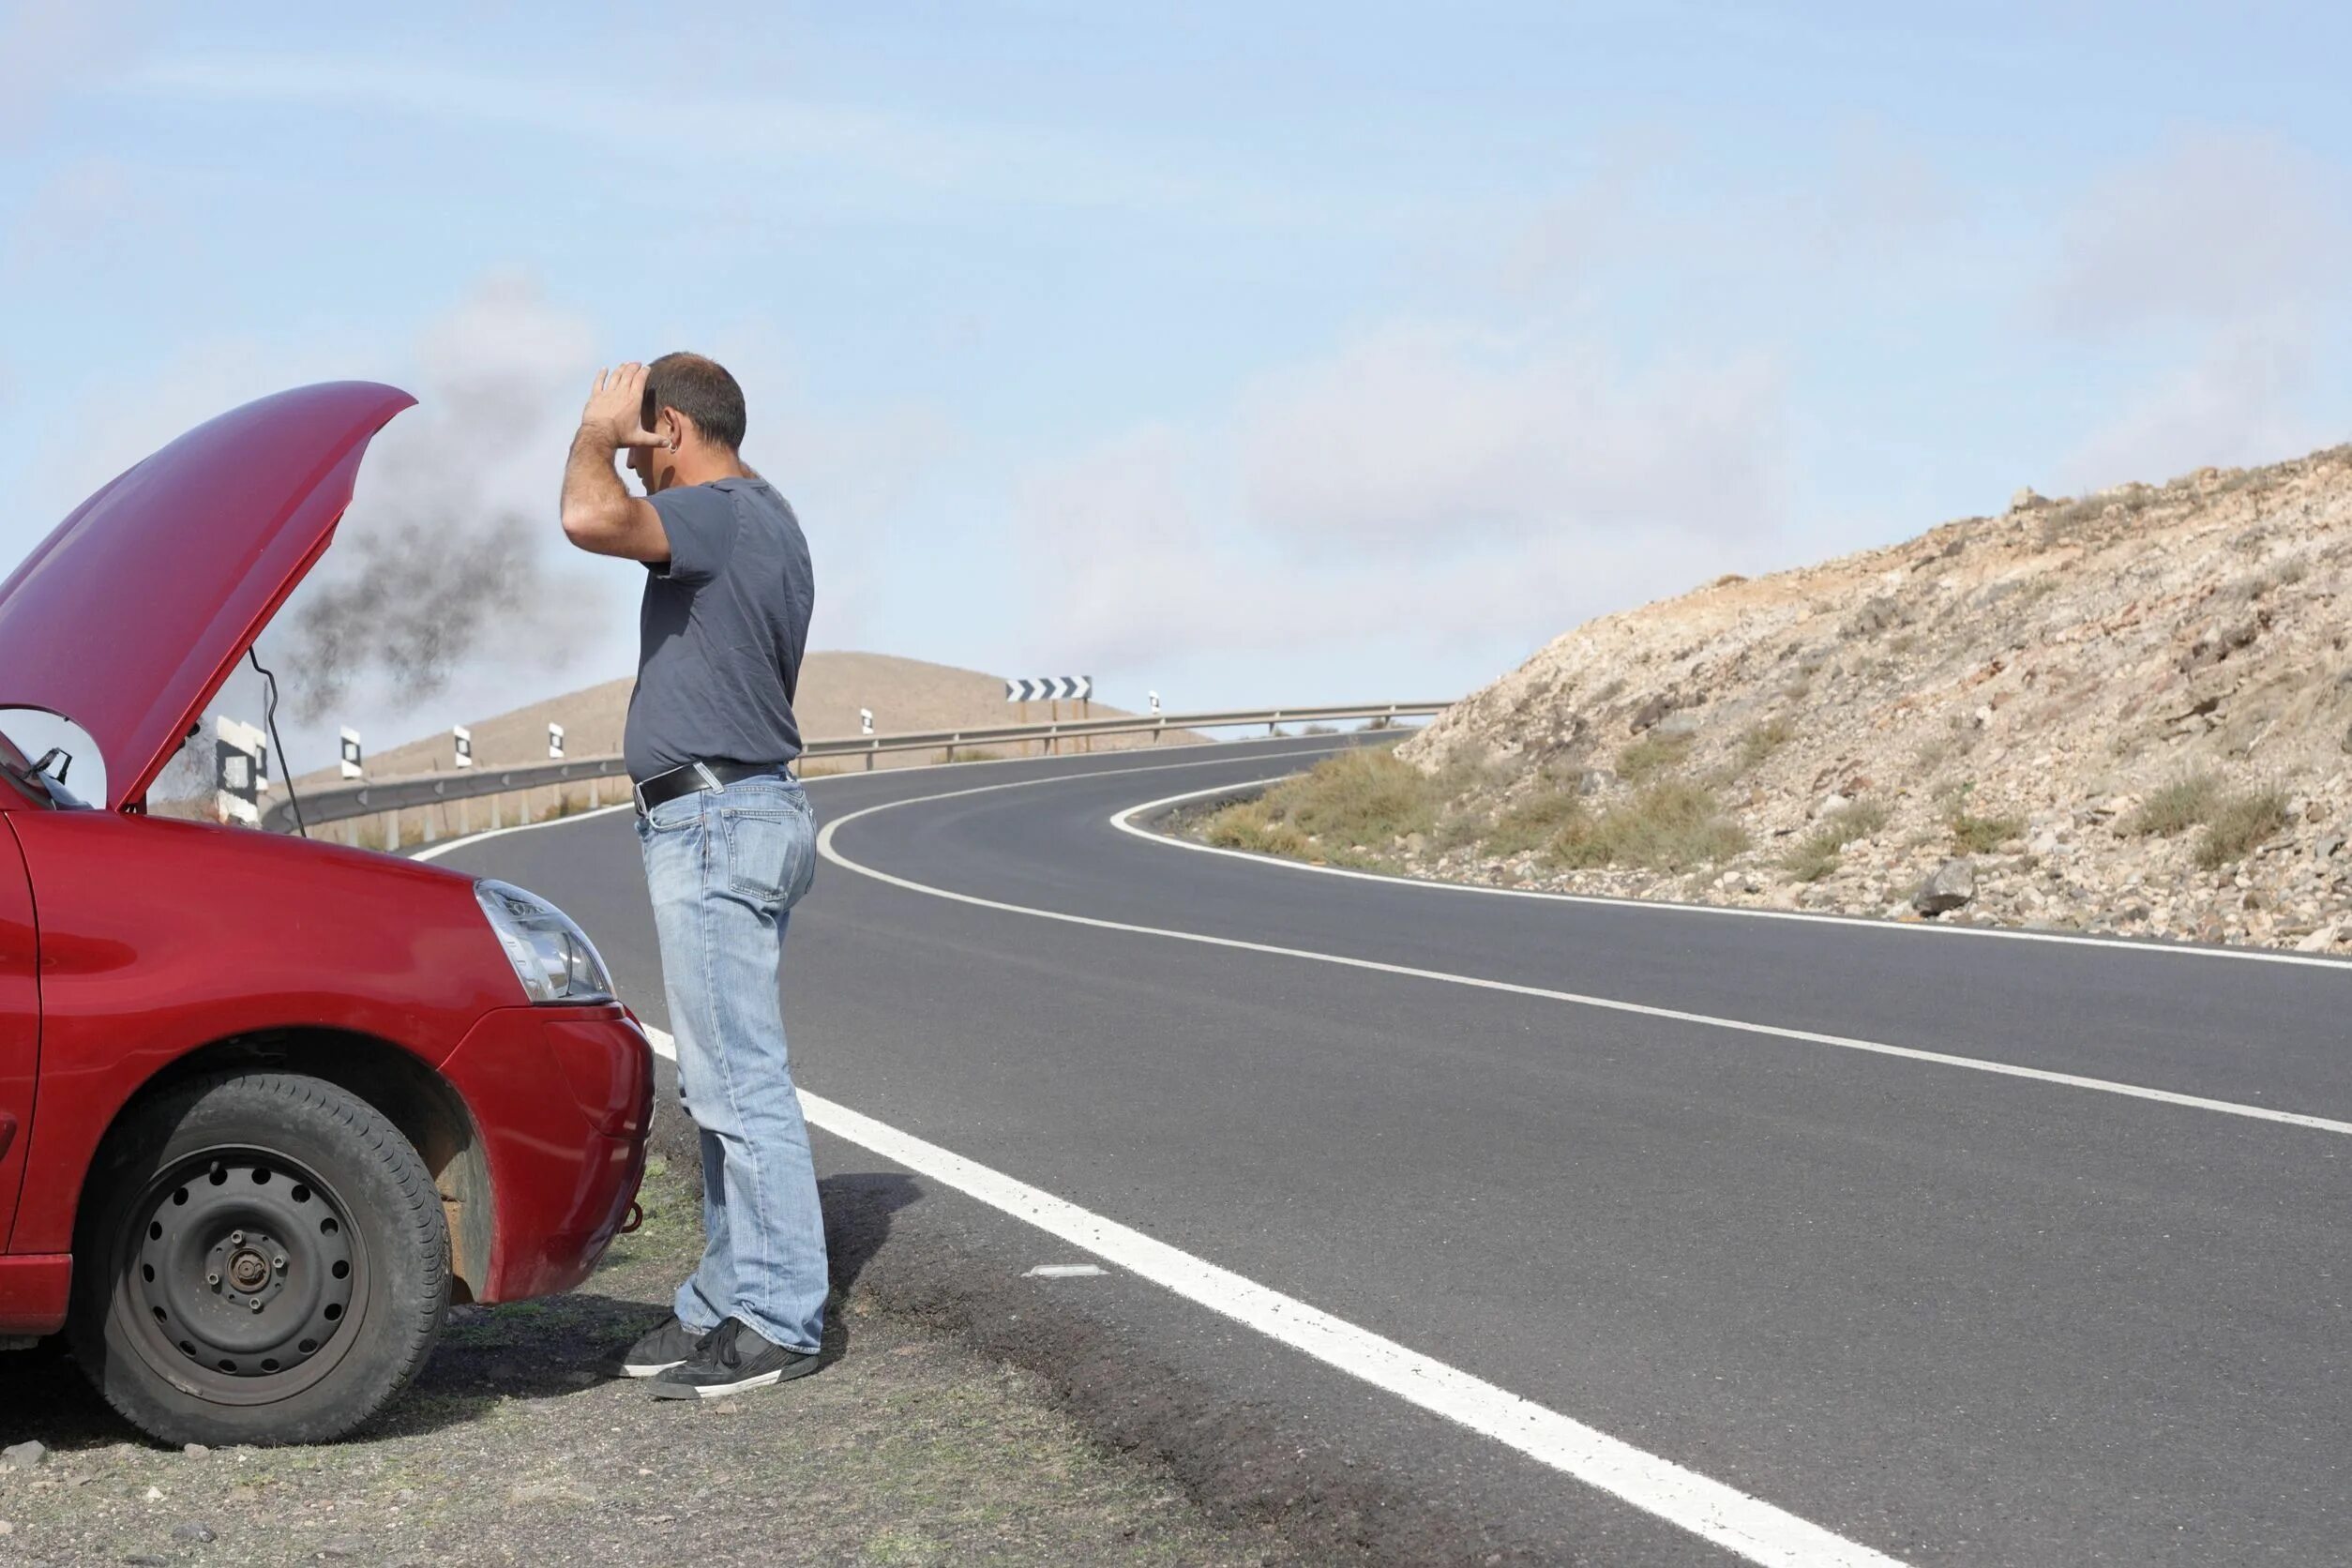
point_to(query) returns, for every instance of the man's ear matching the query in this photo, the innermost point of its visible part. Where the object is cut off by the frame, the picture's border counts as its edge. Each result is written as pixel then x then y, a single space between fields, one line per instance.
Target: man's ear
pixel 671 428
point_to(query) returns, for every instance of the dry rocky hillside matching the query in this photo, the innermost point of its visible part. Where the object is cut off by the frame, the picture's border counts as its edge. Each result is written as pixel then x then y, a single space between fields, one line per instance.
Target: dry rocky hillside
pixel 905 695
pixel 2128 712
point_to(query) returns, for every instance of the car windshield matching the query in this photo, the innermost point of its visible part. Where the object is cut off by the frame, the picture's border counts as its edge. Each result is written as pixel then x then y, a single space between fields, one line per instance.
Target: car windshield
pixel 65 753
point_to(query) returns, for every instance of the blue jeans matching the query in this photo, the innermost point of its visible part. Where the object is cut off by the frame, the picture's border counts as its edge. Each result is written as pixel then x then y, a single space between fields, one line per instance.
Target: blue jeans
pixel 725 867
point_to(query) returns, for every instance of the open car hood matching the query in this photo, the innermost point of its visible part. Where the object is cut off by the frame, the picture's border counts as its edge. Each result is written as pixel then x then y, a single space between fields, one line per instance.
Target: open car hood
pixel 128 617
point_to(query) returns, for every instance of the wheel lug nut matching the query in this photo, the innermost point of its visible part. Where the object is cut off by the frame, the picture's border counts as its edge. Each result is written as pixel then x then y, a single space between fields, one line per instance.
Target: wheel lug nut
pixel 212 1279
pixel 257 1305
pixel 282 1262
pixel 237 1238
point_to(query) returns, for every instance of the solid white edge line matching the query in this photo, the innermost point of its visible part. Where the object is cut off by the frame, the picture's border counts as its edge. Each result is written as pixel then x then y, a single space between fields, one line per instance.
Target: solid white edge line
pixel 434 852
pixel 1124 822
pixel 1722 1514
pixel 1843 1042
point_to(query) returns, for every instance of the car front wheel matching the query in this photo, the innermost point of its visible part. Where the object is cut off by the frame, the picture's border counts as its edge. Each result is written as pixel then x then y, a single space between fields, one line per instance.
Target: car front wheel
pixel 264 1259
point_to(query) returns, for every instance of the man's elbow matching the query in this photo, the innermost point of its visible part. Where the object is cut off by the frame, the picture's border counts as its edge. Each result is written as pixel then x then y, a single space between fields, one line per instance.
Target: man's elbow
pixel 586 526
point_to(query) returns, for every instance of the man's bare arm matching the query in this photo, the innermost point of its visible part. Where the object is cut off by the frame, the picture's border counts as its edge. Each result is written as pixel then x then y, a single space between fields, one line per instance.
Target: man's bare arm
pixel 599 514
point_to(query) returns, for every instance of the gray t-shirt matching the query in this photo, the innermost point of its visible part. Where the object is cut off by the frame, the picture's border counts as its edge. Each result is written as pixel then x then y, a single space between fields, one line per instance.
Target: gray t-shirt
pixel 722 627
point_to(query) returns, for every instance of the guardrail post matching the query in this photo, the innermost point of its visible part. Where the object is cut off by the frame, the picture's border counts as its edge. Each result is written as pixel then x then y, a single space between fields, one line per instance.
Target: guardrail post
pixel 522 808
pixel 595 795
pixel 392 829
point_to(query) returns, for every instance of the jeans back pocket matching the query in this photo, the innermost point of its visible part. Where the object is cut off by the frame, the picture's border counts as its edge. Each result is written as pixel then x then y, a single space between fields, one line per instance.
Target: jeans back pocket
pixel 770 852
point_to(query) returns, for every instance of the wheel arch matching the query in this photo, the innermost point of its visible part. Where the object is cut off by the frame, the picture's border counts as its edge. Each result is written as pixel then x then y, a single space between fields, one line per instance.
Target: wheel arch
pixel 397 1083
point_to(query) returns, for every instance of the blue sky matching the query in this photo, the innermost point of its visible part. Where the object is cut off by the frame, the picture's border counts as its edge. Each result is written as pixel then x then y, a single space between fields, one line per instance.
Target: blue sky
pixel 1241 353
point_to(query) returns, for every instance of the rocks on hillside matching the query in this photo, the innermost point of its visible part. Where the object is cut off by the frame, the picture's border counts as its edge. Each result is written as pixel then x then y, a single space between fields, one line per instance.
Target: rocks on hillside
pixel 2125 710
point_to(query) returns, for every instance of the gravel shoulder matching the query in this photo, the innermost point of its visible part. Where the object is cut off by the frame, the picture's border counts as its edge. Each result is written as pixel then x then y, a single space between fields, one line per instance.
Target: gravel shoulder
pixel 521 1443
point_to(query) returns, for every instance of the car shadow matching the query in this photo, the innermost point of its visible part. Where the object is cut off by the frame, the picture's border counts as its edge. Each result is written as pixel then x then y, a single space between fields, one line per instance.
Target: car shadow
pixel 529 1351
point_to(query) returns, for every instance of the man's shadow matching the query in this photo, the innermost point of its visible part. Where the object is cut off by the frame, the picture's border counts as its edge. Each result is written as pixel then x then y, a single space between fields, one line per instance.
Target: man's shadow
pixel 525 1350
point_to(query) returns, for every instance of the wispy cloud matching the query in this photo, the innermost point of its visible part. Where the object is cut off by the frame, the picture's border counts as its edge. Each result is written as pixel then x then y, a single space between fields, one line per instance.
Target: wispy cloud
pixel 994 161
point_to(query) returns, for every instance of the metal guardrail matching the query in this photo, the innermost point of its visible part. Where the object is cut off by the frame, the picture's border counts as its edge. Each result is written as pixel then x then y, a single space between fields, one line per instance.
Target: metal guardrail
pixel 372 797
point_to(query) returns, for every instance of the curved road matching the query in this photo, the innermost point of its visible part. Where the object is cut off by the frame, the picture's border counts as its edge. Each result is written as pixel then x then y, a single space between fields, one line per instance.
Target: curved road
pixel 1940 1247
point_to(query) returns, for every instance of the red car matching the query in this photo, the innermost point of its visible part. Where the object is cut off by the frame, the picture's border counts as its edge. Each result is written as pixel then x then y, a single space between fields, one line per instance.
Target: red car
pixel 267 1106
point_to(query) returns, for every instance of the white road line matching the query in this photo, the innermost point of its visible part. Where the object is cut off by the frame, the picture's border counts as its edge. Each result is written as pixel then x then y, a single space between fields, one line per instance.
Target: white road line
pixel 1875 1047
pixel 1124 821
pixel 434 852
pixel 1708 1509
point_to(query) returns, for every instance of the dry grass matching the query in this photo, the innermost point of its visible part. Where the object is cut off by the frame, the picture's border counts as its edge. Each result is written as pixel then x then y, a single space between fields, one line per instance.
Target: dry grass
pixel 1670 827
pixel 1815 855
pixel 2235 824
pixel 1975 835
pixel 1651 756
pixel 2175 807
pixel 1347 809
pixel 1762 740
pixel 1531 822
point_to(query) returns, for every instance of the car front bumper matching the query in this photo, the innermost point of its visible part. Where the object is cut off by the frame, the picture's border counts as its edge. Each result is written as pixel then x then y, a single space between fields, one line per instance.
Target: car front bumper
pixel 561 1099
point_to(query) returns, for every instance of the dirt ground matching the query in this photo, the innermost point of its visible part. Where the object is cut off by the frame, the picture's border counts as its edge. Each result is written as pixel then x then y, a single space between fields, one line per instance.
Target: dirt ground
pixel 521 1444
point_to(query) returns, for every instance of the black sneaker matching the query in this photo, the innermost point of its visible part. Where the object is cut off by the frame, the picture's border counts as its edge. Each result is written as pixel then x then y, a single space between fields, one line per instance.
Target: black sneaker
pixel 671 1345
pixel 729 1360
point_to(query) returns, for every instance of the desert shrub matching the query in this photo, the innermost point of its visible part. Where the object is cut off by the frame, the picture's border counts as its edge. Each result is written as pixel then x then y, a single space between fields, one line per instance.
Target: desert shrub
pixel 1651 755
pixel 1531 822
pixel 2237 824
pixel 1669 826
pixel 1364 796
pixel 1931 756
pixel 1815 855
pixel 1975 835
pixel 1762 740
pixel 2177 807
pixel 1250 824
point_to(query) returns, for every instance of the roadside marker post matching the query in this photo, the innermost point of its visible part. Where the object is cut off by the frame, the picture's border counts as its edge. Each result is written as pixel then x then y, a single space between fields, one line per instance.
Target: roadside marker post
pixel 462 741
pixel 238 752
pixel 866 726
pixel 353 762
pixel 555 742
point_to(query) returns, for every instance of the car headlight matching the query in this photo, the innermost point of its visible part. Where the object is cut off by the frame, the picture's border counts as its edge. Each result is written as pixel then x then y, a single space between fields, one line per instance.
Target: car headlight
pixel 552 955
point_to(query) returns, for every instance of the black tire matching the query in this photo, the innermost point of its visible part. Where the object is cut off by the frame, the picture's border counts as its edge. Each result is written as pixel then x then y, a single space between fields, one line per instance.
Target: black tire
pixel 262 1259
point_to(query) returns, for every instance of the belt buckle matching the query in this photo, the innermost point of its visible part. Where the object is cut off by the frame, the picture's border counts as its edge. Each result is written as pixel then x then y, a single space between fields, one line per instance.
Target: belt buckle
pixel 636 793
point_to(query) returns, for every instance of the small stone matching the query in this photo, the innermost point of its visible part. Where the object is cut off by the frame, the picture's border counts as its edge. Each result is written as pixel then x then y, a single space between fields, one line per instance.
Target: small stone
pixel 2025 500
pixel 23 1455
pixel 154 1494
pixel 1952 885
pixel 244 1494
pixel 192 1531
pixel 195 1451
pixel 2319 942
pixel 6 1529
pixel 343 1546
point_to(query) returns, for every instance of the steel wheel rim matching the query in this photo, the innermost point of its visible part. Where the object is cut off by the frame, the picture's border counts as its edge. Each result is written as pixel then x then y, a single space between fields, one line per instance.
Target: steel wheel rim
pixel 243 1279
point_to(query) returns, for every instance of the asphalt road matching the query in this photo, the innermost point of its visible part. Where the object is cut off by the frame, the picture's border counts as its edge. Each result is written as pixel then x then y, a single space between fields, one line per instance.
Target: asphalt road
pixel 1949 1315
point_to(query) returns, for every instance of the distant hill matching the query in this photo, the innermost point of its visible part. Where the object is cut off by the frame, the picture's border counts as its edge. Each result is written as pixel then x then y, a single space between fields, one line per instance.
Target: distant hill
pixel 904 693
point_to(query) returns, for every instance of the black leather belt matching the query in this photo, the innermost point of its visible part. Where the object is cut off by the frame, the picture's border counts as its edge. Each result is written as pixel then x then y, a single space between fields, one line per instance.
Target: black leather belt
pixel 696 776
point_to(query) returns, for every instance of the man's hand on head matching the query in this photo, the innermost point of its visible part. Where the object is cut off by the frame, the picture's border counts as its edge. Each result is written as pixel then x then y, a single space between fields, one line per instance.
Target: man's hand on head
pixel 599 514
pixel 616 409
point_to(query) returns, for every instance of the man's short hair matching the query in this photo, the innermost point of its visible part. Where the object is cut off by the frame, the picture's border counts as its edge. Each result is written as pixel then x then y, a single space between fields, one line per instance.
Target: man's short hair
pixel 702 390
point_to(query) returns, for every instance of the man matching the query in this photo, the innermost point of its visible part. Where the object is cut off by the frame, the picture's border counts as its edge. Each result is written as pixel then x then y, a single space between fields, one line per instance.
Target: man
pixel 728 841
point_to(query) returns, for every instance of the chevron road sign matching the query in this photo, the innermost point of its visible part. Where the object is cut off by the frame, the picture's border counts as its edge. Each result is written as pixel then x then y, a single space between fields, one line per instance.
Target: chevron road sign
pixel 352 761
pixel 1058 689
